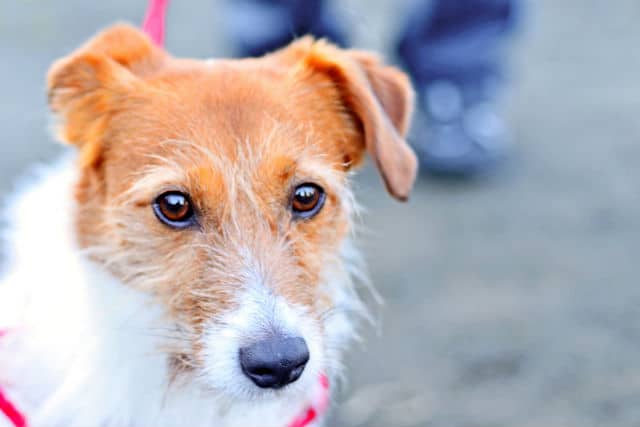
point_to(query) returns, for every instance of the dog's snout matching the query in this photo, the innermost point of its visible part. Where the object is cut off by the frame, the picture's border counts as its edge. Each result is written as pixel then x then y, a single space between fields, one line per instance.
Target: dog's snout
pixel 274 362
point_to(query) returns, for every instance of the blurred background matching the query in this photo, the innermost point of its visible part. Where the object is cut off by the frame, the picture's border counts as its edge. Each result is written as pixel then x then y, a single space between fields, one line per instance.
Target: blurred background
pixel 510 299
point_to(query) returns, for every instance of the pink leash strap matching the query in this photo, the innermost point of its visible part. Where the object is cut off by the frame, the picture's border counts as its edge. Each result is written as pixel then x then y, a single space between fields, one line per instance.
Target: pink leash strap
pixel 154 20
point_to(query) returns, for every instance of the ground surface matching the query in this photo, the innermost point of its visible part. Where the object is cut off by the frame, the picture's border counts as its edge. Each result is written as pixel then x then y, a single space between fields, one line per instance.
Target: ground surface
pixel 512 301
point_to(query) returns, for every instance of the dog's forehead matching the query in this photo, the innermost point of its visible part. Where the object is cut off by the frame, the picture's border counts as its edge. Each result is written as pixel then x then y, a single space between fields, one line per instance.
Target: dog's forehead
pixel 238 87
pixel 237 110
pixel 216 126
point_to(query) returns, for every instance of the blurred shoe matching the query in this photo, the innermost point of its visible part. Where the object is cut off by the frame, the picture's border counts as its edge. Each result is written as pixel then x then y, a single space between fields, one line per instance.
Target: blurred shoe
pixel 459 131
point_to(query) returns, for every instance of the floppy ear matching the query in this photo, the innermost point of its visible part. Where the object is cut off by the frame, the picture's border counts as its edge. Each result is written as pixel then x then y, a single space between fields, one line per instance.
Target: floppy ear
pixel 379 97
pixel 85 86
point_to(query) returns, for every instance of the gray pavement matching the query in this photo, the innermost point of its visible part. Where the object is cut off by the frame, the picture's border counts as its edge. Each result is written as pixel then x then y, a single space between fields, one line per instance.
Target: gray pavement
pixel 510 301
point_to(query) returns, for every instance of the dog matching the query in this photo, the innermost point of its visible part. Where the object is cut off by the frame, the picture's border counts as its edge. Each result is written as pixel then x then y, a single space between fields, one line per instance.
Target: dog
pixel 191 262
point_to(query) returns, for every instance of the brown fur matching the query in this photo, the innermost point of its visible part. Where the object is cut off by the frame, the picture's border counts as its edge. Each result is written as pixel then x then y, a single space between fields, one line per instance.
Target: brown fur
pixel 238 136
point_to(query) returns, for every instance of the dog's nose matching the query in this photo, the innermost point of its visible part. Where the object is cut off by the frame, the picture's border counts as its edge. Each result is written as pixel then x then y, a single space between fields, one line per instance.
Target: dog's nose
pixel 275 361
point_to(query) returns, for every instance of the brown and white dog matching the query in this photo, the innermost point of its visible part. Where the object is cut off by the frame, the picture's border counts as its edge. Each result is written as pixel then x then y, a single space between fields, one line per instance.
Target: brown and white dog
pixel 192 264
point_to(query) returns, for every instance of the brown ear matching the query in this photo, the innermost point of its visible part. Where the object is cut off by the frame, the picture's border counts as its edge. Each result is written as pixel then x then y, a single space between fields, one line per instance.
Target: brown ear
pixel 392 88
pixel 83 87
pixel 380 97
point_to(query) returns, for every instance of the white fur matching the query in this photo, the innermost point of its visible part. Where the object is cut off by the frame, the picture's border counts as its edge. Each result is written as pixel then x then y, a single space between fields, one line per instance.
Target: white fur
pixel 82 350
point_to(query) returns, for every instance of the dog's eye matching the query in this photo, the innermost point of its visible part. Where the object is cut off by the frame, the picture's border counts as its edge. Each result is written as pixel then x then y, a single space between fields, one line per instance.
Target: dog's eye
pixel 174 209
pixel 307 200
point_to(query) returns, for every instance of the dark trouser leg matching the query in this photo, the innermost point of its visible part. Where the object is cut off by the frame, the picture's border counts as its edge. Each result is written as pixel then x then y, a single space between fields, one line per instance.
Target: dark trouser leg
pixel 454 50
pixel 261 26
pixel 458 40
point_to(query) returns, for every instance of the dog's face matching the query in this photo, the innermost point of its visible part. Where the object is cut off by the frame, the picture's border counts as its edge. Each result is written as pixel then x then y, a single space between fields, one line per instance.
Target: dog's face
pixel 220 187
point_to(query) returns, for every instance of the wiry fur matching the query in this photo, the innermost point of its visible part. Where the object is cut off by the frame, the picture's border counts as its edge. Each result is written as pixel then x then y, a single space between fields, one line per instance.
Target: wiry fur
pixel 116 319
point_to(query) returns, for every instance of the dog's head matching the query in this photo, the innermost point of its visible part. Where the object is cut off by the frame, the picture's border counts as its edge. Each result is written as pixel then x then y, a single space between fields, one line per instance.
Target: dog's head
pixel 221 188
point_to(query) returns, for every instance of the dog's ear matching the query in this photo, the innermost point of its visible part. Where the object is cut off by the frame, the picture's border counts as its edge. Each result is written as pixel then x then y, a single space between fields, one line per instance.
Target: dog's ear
pixel 378 97
pixel 84 87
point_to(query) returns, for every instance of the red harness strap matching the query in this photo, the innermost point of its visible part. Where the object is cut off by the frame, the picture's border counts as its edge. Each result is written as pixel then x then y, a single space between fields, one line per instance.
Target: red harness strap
pixel 7 408
pixel 317 409
pixel 11 412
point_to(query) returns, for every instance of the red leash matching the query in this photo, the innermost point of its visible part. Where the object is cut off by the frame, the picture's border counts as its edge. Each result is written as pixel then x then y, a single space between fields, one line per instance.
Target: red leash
pixel 154 20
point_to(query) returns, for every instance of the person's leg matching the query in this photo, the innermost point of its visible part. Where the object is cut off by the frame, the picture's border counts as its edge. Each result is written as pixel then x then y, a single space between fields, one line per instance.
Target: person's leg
pixel 260 26
pixel 453 50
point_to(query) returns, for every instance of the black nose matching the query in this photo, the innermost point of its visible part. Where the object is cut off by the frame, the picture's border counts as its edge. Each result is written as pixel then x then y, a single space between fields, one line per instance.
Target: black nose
pixel 275 361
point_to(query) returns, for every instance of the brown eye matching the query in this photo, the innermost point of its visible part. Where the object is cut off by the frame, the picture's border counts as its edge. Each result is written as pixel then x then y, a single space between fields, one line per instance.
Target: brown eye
pixel 307 200
pixel 174 209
